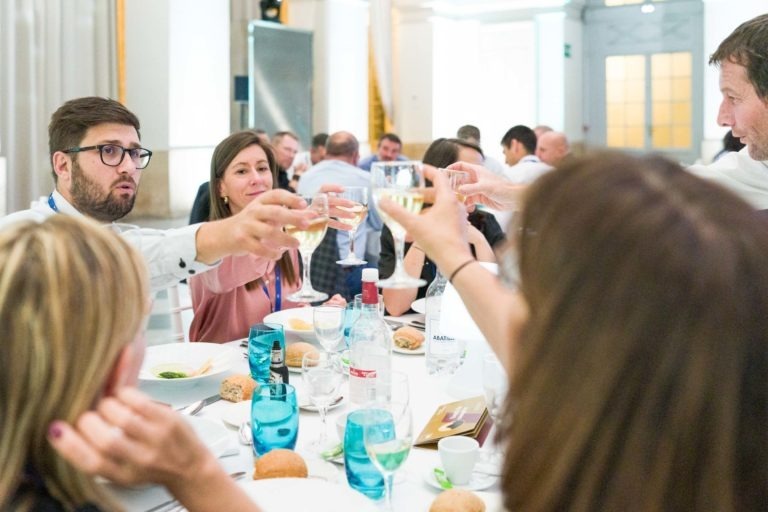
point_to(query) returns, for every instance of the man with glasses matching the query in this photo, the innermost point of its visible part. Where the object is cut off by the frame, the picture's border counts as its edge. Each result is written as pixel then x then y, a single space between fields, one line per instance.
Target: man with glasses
pixel 97 162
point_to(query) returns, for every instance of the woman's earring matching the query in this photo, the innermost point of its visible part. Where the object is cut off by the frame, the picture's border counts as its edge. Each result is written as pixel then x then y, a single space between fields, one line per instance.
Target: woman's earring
pixel 226 199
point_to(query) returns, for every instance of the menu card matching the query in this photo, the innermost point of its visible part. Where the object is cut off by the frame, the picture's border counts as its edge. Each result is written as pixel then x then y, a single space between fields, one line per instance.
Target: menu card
pixel 463 418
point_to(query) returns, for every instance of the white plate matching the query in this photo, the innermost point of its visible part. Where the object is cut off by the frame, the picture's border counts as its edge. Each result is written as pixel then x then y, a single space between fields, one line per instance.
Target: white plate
pixel 284 317
pixel 280 494
pixel 419 306
pixel 477 482
pixel 213 435
pixel 419 351
pixel 187 355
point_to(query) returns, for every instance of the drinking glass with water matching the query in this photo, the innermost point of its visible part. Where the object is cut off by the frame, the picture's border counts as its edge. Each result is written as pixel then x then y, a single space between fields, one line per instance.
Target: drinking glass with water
pixel 261 338
pixel 274 418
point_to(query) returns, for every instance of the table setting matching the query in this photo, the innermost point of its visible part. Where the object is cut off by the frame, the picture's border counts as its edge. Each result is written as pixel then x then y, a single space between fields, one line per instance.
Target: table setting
pixel 286 410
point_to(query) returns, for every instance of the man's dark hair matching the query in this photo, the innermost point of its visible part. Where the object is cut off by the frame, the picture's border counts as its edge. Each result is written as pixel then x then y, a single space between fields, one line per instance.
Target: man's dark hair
pixel 469 132
pixel 391 137
pixel 748 46
pixel 319 139
pixel 523 135
pixel 74 118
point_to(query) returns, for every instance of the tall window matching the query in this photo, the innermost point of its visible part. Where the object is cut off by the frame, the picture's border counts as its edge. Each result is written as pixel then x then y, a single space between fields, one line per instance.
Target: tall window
pixel 671 100
pixel 625 101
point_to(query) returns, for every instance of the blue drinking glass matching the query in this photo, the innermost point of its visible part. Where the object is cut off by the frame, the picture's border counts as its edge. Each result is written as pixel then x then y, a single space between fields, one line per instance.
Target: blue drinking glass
pixel 362 475
pixel 274 418
pixel 351 315
pixel 261 337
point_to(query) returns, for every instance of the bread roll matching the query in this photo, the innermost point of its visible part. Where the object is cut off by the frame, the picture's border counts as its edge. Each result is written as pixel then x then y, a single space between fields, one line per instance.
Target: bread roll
pixel 408 338
pixel 457 500
pixel 297 324
pixel 295 352
pixel 280 463
pixel 237 388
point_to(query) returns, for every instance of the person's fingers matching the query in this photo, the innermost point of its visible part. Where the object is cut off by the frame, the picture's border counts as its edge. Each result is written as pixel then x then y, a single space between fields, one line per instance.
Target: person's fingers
pixel 335 224
pixel 331 187
pixel 77 451
pixel 429 171
pixel 283 198
pixel 466 167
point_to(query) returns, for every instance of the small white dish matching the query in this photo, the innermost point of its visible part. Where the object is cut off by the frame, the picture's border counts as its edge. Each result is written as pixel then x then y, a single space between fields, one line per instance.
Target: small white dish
pixel 419 306
pixel 279 494
pixel 477 482
pixel 284 318
pixel 187 355
pixel 321 469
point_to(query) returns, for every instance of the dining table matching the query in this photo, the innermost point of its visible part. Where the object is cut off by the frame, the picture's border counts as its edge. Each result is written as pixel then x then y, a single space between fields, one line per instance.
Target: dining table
pixel 411 490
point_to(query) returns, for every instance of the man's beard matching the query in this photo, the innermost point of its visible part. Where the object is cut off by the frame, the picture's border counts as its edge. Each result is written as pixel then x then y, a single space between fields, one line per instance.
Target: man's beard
pixel 86 197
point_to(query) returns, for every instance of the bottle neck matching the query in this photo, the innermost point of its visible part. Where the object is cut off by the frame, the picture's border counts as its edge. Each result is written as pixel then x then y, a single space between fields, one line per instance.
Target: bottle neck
pixel 370 293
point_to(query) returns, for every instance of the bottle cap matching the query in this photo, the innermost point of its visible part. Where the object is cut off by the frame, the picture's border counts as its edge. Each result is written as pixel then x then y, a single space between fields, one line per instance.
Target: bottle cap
pixel 370 274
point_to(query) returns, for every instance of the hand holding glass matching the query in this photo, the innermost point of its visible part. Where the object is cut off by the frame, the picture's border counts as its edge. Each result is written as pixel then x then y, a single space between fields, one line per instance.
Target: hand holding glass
pixel 360 196
pixel 401 182
pixel 309 239
pixel 457 179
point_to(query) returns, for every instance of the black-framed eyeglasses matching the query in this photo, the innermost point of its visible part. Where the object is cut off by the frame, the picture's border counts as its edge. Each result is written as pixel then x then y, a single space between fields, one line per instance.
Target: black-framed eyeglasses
pixel 112 154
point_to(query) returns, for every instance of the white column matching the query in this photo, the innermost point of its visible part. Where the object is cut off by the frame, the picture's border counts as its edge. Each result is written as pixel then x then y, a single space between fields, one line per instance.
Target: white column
pixel 340 48
pixel 177 83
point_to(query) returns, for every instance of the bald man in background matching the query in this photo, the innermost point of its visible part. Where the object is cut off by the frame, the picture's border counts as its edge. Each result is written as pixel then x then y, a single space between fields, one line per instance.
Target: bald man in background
pixel 552 147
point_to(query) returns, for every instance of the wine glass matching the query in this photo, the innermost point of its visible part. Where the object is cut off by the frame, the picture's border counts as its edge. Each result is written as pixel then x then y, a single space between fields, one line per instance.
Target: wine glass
pixel 323 375
pixel 309 239
pixel 388 436
pixel 400 182
pixel 495 384
pixel 360 196
pixel 455 180
pixel 328 322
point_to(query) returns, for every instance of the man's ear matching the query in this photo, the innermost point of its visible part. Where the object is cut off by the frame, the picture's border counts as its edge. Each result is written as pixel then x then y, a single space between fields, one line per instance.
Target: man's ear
pixel 62 165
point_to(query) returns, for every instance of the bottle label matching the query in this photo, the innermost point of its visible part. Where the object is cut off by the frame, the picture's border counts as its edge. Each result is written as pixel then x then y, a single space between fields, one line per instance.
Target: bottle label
pixel 275 378
pixel 439 343
pixel 370 293
pixel 359 383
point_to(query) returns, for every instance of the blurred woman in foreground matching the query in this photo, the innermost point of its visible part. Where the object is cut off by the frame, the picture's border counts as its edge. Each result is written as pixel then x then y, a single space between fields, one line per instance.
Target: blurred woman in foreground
pixel 637 342
pixel 73 304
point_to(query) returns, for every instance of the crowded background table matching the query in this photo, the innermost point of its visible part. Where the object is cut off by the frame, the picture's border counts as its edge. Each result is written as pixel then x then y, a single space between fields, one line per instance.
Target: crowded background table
pixel 411 491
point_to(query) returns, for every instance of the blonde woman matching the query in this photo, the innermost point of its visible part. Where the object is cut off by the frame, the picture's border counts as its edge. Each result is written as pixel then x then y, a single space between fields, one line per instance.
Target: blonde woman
pixel 73 301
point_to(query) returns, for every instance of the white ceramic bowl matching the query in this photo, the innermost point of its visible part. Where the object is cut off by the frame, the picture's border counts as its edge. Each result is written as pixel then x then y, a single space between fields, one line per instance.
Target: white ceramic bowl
pixel 186 357
pixel 284 318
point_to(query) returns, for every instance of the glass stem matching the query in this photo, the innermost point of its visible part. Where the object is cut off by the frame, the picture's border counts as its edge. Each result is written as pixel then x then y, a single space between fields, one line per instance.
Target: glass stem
pixel 323 434
pixel 306 259
pixel 352 254
pixel 388 481
pixel 399 255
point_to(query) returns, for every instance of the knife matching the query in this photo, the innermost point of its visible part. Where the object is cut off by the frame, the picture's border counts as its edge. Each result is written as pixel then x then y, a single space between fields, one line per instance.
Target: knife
pixel 200 404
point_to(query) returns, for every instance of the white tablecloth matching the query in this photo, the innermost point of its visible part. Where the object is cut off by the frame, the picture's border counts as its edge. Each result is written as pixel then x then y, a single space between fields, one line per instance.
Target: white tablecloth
pixel 410 493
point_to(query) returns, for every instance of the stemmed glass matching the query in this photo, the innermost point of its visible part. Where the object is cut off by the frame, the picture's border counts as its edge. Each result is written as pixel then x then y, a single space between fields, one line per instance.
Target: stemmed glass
pixel 323 375
pixel 360 197
pixel 398 181
pixel 388 432
pixel 309 239
pixel 495 384
pixel 328 322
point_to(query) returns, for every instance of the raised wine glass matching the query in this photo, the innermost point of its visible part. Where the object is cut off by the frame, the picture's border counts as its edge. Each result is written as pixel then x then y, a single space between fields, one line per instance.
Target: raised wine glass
pixel 309 239
pixel 360 197
pixel 456 179
pixel 401 182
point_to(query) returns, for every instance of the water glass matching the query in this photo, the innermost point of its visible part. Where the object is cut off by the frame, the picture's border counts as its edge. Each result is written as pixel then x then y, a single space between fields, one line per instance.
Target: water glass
pixel 387 435
pixel 274 418
pixel 261 339
pixel 323 375
pixel 328 322
pixel 362 475
pixel 351 314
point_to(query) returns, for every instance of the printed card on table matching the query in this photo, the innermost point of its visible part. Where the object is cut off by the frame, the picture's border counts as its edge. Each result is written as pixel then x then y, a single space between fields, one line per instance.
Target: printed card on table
pixel 463 418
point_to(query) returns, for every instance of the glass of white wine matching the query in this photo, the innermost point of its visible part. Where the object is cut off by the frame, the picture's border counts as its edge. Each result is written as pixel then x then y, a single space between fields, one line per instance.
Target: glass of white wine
pixel 401 182
pixel 309 239
pixel 360 197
